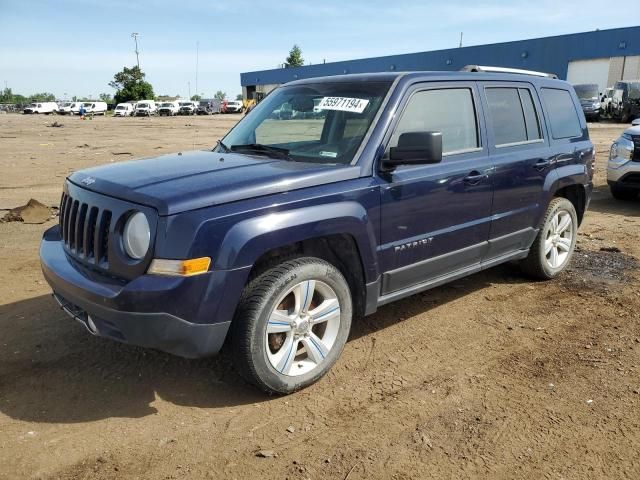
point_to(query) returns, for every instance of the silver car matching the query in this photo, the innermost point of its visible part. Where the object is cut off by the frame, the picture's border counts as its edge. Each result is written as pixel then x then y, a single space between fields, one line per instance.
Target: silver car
pixel 623 169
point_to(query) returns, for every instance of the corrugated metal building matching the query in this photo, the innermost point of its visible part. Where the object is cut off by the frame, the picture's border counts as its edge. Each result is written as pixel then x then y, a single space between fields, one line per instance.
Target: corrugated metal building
pixel 602 57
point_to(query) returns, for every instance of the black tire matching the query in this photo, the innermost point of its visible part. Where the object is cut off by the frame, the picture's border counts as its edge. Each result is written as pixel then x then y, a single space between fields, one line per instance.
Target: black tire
pixel 621 193
pixel 537 264
pixel 249 327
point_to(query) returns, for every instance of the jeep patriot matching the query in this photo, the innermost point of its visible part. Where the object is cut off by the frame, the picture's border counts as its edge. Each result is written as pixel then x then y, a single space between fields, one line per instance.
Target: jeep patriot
pixel 374 188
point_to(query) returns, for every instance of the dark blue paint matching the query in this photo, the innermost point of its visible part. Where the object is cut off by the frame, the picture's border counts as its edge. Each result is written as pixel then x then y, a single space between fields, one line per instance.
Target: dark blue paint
pixel 236 210
pixel 549 54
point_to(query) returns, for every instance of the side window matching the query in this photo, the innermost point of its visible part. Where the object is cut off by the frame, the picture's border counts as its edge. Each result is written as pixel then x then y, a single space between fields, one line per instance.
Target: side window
pixel 562 114
pixel 513 115
pixel 449 111
pixel 530 116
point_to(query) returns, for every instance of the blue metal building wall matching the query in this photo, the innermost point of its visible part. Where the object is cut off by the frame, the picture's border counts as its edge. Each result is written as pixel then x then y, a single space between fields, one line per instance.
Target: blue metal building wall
pixel 549 54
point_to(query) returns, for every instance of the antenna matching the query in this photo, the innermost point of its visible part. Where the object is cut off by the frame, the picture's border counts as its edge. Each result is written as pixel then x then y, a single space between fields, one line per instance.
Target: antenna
pixel 135 35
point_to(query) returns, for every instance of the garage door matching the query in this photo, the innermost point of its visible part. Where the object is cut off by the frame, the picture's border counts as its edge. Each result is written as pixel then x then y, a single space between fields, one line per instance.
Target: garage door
pixel 589 71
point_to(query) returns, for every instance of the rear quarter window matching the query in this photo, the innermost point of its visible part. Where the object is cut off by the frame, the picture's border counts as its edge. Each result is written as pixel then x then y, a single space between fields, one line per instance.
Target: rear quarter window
pixel 561 112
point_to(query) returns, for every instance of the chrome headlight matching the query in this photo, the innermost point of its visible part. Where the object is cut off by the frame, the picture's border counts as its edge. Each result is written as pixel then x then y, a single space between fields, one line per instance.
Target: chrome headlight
pixel 136 236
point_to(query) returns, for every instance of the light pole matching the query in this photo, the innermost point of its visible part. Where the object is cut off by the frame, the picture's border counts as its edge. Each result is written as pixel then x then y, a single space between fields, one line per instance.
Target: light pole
pixel 197 48
pixel 135 35
pixel 189 84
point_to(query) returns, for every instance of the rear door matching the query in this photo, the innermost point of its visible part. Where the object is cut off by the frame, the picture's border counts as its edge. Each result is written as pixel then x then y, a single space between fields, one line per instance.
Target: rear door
pixel 522 160
pixel 436 218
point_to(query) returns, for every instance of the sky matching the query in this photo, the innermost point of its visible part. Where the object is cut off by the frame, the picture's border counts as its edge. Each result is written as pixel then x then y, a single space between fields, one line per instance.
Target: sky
pixel 74 47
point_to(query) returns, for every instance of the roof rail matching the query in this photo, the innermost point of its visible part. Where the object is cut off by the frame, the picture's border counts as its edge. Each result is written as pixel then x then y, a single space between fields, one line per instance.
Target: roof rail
pixel 483 68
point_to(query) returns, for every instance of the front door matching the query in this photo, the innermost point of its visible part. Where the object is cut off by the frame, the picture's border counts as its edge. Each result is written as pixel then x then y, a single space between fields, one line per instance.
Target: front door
pixel 436 218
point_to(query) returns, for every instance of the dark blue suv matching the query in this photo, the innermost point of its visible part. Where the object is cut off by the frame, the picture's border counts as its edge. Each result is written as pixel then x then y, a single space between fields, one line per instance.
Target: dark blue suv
pixel 376 187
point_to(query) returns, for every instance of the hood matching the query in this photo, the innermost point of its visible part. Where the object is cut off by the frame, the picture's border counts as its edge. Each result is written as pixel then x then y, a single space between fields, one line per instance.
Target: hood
pixel 635 130
pixel 180 182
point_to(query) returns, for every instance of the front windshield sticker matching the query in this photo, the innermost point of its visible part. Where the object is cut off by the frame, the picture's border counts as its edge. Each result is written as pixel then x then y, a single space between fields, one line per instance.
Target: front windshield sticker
pixel 344 104
pixel 329 154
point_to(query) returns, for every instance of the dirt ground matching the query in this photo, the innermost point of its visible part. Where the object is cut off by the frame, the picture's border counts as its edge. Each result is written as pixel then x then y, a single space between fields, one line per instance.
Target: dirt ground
pixel 493 376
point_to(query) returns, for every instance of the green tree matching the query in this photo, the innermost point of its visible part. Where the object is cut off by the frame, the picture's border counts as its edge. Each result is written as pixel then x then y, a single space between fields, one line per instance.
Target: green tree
pixel 106 97
pixel 196 98
pixel 239 96
pixel 295 57
pixel 220 95
pixel 130 85
pixel 43 97
pixel 6 96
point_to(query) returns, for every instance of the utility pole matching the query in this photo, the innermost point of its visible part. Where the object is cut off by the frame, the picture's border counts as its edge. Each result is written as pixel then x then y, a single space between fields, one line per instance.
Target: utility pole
pixel 460 46
pixel 135 35
pixel 197 51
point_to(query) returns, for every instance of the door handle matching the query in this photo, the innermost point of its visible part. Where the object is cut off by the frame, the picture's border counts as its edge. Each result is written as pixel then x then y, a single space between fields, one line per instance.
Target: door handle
pixel 474 178
pixel 542 164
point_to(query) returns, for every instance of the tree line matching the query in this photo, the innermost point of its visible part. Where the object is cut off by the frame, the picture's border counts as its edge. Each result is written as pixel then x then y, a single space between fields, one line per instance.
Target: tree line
pixel 130 86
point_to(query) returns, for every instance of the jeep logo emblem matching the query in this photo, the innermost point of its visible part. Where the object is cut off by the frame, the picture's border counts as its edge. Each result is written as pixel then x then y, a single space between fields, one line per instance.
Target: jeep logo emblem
pixel 88 180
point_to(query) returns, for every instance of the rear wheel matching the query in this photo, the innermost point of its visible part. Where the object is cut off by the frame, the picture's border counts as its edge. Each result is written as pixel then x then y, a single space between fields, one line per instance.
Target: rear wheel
pixel 291 325
pixel 553 248
pixel 621 193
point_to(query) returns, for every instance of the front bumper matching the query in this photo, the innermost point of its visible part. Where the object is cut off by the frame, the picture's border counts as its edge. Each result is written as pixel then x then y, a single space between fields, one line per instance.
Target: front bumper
pixel 150 311
pixel 591 112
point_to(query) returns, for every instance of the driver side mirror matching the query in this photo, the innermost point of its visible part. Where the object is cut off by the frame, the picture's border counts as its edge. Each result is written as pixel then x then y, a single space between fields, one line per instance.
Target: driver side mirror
pixel 416 148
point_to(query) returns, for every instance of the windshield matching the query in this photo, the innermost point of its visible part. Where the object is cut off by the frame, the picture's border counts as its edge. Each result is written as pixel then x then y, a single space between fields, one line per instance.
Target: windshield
pixel 121 107
pixel 143 105
pixel 323 122
pixel 634 90
pixel 166 105
pixel 586 92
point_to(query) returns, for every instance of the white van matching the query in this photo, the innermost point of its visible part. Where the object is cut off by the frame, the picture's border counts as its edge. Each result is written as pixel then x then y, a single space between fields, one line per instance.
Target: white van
pixel 146 108
pixel 95 108
pixel 123 110
pixel 42 107
pixel 188 108
pixel 168 108
pixel 71 108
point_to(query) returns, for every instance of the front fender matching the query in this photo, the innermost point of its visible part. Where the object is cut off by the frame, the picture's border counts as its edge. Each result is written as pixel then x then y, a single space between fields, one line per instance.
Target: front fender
pixel 249 239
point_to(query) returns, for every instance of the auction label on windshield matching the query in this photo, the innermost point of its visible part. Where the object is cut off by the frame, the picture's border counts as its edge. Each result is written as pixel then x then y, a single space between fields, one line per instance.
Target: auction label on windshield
pixel 344 104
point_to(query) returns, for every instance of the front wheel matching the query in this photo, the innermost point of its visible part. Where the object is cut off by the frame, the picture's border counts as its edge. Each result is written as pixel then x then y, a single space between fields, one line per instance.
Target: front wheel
pixel 553 248
pixel 291 325
pixel 622 193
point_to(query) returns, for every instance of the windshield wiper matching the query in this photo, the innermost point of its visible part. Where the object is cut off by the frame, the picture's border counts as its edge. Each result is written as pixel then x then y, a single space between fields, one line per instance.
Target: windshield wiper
pixel 225 149
pixel 267 150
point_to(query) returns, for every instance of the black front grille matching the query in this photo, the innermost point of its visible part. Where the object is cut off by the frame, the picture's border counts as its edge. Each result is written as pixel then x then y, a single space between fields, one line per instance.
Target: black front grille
pixel 636 148
pixel 85 230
